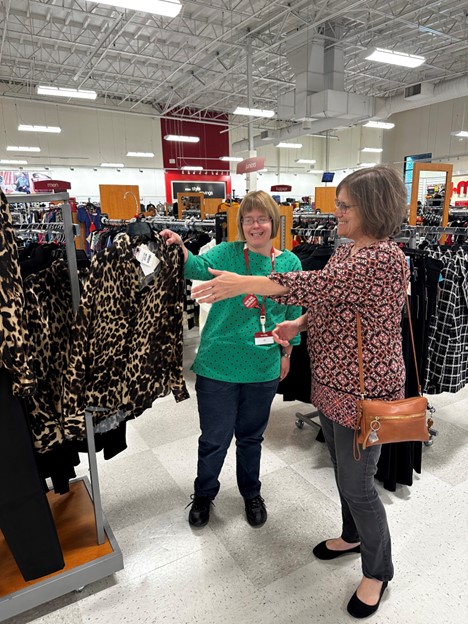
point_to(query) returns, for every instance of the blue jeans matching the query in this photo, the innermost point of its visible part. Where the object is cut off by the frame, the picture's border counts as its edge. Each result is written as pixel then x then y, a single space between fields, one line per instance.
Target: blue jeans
pixel 363 514
pixel 227 409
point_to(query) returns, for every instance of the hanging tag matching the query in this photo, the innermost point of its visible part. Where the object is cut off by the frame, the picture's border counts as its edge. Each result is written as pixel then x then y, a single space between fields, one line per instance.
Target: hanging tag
pixel 250 301
pixel 264 338
pixel 147 259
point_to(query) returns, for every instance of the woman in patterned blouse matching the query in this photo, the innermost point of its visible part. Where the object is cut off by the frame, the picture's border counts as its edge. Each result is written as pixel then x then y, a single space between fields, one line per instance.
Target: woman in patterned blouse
pixel 369 276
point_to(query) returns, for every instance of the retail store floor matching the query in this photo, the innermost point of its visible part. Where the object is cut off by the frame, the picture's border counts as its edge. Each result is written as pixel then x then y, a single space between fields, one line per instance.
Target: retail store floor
pixel 230 573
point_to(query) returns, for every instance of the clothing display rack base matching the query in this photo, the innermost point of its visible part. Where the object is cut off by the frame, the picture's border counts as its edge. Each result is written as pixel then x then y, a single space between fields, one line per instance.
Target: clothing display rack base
pixel 85 560
pixel 301 419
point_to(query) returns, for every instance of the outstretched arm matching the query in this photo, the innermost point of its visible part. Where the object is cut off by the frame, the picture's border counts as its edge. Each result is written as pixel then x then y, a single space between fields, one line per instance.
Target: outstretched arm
pixel 226 285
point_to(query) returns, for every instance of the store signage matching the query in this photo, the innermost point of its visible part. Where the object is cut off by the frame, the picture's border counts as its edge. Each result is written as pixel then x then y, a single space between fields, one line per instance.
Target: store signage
pixel 250 165
pixel 51 185
pixel 281 188
pixel 216 190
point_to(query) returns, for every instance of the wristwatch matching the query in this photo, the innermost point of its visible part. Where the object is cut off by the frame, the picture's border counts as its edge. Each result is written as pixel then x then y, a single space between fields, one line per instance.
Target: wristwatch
pixel 286 355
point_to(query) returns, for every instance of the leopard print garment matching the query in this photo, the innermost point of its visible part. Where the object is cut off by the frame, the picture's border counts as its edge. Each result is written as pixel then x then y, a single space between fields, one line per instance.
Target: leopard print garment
pixel 127 339
pixel 13 354
pixel 49 317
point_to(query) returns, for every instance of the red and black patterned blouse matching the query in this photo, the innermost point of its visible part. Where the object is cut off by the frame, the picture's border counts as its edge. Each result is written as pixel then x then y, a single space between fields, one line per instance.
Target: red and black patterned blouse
pixel 370 282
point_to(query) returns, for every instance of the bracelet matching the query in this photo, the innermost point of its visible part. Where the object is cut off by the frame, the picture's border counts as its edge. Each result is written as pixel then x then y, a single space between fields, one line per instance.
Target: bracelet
pixel 286 355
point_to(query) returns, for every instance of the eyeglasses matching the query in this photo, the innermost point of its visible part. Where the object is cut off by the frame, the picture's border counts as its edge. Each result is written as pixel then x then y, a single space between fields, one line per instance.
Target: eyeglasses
pixel 342 206
pixel 251 220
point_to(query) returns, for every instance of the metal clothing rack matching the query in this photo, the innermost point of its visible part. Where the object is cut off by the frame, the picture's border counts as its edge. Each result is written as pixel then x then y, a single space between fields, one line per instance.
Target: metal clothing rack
pixel 58 584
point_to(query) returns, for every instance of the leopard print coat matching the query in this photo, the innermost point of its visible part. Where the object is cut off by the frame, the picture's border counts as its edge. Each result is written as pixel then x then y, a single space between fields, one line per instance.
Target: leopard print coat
pixel 49 317
pixel 127 339
pixel 13 355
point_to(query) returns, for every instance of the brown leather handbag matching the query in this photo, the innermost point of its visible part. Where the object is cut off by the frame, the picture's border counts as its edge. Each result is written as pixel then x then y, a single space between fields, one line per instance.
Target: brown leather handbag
pixel 381 422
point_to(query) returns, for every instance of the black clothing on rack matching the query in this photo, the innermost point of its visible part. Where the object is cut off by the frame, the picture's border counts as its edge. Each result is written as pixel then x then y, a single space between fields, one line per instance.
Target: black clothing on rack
pixel 25 516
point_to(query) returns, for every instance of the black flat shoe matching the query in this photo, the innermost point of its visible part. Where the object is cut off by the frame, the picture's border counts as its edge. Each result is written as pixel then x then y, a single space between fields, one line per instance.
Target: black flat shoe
pixel 359 609
pixel 321 551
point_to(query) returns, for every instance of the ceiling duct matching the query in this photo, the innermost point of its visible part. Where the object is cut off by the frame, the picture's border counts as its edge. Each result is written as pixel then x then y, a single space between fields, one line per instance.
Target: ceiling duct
pixel 319 102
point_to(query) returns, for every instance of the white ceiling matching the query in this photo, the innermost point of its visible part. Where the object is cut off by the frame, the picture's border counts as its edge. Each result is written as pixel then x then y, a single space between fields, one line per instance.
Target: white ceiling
pixel 139 62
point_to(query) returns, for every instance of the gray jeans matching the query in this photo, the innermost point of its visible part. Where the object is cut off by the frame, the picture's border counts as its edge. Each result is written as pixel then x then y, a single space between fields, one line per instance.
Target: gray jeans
pixel 363 514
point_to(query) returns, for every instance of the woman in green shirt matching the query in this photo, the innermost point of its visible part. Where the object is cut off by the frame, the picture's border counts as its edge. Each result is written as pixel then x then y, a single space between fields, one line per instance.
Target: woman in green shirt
pixel 238 364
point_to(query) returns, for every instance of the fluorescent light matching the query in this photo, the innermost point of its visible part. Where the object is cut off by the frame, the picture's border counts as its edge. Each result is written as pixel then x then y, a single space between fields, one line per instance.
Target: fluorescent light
pixel 395 58
pixel 13 162
pixel 460 133
pixel 141 154
pixel 315 171
pixel 367 164
pixel 168 8
pixel 80 94
pixel 181 138
pixel 385 125
pixel 112 165
pixel 290 145
pixel 253 112
pixel 197 168
pixel 17 148
pixel 373 150
pixel 305 161
pixel 231 159
pixel 28 128
pixel 323 136
pixel 262 171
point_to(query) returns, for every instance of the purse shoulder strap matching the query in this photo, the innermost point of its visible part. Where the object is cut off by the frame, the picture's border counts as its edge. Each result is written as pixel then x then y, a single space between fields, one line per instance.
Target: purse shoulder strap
pixel 359 339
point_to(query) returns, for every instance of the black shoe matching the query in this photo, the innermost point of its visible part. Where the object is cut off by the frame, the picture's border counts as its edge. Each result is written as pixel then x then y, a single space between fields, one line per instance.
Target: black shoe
pixel 321 551
pixel 359 609
pixel 200 512
pixel 255 511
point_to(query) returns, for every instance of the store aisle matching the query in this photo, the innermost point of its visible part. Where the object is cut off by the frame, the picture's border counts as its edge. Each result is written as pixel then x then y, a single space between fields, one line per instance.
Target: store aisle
pixel 232 574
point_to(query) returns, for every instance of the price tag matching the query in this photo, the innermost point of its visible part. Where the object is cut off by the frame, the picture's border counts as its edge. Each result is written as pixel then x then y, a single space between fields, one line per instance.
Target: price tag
pixel 147 259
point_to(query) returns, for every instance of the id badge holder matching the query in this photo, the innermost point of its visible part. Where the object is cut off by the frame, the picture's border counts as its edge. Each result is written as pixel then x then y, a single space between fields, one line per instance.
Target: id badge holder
pixel 263 337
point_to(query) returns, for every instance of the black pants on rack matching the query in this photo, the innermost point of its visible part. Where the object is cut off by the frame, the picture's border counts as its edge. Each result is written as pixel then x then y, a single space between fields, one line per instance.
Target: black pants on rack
pixel 25 517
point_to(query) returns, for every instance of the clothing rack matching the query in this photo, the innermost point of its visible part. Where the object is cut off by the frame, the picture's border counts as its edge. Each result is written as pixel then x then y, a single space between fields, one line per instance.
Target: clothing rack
pixel 410 234
pixel 89 570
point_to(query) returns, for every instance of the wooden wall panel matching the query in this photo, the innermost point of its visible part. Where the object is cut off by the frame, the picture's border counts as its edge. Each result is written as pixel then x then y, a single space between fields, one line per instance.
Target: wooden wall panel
pixel 120 201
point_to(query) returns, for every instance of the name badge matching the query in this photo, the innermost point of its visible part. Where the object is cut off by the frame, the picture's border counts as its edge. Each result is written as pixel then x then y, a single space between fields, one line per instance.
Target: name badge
pixel 264 338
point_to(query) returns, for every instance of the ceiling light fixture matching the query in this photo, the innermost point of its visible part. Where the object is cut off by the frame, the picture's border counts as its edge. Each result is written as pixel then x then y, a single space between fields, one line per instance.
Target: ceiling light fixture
pixel 323 136
pixel 315 171
pixel 168 8
pixel 112 165
pixel 17 148
pixel 367 164
pixel 380 55
pixel 253 112
pixel 305 161
pixel 181 138
pixel 141 154
pixel 460 133
pixel 13 162
pixel 384 125
pixel 373 150
pixel 80 94
pixel 290 145
pixel 231 159
pixel 262 171
pixel 197 168
pixel 28 128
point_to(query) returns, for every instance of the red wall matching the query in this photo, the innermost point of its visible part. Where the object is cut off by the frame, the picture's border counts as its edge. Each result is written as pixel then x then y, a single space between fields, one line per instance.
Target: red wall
pixel 206 152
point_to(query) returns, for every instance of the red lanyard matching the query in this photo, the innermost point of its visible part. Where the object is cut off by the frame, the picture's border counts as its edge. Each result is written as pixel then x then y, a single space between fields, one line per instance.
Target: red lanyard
pixel 251 301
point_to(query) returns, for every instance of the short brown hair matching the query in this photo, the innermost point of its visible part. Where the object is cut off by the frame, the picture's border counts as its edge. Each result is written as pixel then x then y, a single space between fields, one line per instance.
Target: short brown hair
pixel 258 200
pixel 381 199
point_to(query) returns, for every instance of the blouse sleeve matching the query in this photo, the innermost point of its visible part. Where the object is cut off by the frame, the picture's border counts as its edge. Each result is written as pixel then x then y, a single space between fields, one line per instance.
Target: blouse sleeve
pixel 356 280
